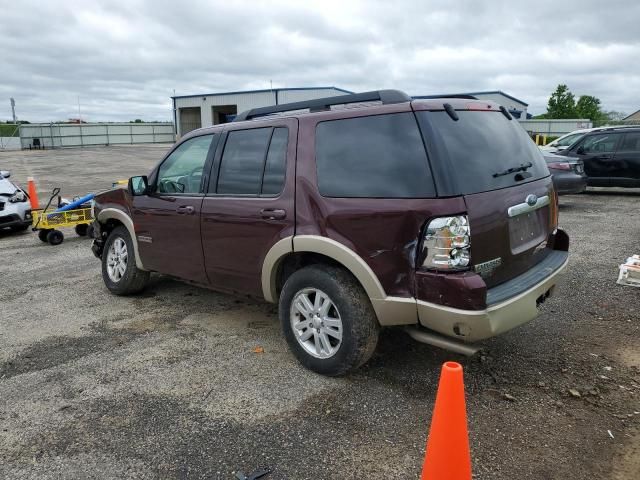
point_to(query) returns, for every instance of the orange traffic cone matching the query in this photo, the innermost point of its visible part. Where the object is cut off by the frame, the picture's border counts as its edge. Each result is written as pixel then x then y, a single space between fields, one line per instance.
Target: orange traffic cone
pixel 33 193
pixel 448 456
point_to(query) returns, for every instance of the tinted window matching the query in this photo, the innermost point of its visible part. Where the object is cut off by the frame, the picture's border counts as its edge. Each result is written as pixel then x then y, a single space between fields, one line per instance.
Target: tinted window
pixel 602 143
pixel 380 156
pixel 276 160
pixel 479 147
pixel 243 161
pixel 181 172
pixel 630 143
pixel 568 140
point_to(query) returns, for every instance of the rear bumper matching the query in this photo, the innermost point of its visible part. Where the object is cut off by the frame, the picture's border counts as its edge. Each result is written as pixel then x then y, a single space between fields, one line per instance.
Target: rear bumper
pixel 504 313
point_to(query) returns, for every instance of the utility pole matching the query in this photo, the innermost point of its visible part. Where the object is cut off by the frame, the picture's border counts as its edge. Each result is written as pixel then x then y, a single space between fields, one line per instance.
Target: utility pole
pixel 13 109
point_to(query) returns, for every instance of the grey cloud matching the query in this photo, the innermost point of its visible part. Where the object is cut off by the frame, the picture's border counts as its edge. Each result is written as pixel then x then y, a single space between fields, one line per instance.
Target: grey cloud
pixel 124 59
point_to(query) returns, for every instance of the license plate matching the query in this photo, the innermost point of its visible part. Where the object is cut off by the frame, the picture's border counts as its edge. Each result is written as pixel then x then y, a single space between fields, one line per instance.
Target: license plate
pixel 526 231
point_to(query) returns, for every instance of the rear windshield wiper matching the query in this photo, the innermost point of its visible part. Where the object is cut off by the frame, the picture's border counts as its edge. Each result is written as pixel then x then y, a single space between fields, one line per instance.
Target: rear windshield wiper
pixel 522 168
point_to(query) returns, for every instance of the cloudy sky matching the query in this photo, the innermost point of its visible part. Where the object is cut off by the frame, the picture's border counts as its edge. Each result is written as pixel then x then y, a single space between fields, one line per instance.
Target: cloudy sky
pixel 124 59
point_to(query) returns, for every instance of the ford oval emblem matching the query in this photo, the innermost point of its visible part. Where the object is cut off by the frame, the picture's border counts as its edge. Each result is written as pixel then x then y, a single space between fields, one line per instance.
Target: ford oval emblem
pixel 531 200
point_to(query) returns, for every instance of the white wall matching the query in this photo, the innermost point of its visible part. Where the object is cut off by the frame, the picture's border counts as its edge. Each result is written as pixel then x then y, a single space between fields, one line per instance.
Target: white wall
pixel 52 135
pixel 9 143
pixel 555 128
pixel 247 101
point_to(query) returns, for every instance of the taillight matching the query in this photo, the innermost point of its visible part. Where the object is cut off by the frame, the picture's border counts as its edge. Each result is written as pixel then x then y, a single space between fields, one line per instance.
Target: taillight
pixel 559 166
pixel 447 243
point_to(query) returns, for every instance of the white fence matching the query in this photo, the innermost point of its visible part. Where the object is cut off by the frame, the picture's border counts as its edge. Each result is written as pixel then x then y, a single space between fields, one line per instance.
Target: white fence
pixel 9 143
pixel 555 128
pixel 56 135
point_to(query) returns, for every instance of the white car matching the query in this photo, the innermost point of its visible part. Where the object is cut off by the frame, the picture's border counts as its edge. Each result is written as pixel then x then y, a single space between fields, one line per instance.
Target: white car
pixel 565 141
pixel 15 208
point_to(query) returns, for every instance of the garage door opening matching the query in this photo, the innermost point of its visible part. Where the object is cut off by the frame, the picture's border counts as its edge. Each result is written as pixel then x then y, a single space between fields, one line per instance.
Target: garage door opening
pixel 224 113
pixel 189 119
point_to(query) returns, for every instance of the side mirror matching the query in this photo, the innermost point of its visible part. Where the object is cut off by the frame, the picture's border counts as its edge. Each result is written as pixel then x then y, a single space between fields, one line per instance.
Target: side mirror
pixel 138 186
pixel 5 173
pixel 580 150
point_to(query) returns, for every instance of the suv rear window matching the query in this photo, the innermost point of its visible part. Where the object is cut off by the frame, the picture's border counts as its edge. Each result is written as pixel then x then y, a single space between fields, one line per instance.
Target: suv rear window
pixel 381 156
pixel 479 147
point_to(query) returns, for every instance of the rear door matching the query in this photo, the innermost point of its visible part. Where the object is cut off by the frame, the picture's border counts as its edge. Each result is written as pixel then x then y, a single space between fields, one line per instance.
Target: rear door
pixel 167 221
pixel 490 160
pixel 627 156
pixel 250 202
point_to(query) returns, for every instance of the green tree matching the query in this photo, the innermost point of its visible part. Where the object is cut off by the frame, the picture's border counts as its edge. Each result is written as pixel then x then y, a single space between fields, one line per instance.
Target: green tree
pixel 613 116
pixel 589 107
pixel 562 103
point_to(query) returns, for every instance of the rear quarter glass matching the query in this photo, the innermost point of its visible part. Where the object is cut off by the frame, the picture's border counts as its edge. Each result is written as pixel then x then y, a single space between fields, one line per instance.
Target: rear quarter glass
pixel 466 154
pixel 379 156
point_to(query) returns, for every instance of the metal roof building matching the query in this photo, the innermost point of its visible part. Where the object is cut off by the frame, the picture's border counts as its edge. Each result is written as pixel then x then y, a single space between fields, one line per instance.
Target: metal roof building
pixel 202 110
pixel 195 111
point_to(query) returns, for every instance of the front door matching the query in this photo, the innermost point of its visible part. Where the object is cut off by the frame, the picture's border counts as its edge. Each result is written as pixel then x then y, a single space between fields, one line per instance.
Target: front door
pixel 167 221
pixel 597 153
pixel 250 203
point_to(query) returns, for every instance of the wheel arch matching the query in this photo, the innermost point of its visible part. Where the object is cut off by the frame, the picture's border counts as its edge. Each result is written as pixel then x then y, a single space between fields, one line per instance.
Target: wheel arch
pixel 114 217
pixel 305 249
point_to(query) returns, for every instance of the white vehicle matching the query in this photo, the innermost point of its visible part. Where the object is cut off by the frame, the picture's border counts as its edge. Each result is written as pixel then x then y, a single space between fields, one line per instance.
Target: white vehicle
pixel 15 209
pixel 565 141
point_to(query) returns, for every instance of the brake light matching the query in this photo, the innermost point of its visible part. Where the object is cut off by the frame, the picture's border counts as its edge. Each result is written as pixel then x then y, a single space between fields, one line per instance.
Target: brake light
pixel 480 106
pixel 559 166
pixel 447 243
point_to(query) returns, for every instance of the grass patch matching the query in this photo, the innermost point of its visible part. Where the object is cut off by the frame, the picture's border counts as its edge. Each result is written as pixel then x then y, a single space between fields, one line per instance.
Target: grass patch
pixel 9 130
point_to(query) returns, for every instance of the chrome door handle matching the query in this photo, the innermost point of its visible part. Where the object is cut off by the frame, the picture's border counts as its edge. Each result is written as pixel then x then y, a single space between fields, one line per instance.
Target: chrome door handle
pixel 273 213
pixel 185 210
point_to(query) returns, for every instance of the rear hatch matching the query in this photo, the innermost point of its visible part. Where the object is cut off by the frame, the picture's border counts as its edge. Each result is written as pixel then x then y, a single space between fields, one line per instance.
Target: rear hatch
pixel 478 152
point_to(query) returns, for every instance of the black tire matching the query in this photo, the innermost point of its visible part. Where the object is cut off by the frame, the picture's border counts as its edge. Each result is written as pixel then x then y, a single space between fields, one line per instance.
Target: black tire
pixel 81 229
pixel 42 235
pixel 55 237
pixel 133 280
pixel 360 326
pixel 20 228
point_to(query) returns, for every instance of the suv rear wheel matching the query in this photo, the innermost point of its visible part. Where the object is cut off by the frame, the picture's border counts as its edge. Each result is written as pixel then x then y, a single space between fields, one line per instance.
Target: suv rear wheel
pixel 119 270
pixel 328 320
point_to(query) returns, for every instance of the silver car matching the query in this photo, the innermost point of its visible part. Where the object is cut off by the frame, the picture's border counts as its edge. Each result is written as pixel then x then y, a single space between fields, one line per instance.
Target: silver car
pixel 15 208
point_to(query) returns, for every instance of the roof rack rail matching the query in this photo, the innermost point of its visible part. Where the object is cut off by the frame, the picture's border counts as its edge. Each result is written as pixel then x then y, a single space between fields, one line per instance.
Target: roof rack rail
pixel 320 104
pixel 432 97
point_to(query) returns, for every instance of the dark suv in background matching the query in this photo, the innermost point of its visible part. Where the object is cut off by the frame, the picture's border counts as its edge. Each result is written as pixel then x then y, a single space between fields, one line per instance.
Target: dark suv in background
pixel 611 157
pixel 352 213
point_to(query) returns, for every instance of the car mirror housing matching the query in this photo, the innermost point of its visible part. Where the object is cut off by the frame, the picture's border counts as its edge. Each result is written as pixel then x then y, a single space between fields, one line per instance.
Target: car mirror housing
pixel 138 186
pixel 5 174
pixel 580 150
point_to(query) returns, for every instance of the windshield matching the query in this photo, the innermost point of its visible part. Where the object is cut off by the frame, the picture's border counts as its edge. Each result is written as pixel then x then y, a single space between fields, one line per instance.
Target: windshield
pixel 568 139
pixel 482 151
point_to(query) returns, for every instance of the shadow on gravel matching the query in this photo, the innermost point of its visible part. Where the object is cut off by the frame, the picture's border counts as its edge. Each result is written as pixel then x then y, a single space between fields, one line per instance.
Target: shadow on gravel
pixel 57 351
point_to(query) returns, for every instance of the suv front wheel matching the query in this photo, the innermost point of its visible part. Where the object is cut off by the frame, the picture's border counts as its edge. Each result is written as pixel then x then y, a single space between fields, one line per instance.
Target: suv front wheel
pixel 328 320
pixel 119 270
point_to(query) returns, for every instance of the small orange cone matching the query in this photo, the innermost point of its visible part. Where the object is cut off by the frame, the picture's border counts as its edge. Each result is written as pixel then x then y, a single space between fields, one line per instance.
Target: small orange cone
pixel 33 194
pixel 448 456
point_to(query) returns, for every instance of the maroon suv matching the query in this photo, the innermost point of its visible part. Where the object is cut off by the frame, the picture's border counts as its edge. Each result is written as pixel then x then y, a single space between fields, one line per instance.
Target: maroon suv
pixel 353 213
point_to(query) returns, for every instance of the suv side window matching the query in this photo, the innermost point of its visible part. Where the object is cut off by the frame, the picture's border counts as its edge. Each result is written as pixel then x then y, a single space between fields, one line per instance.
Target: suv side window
pixel 379 156
pixel 630 143
pixel 601 143
pixel 181 172
pixel 253 162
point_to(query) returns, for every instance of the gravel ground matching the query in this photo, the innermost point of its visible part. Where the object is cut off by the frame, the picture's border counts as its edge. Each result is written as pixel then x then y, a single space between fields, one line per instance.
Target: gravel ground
pixel 167 384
